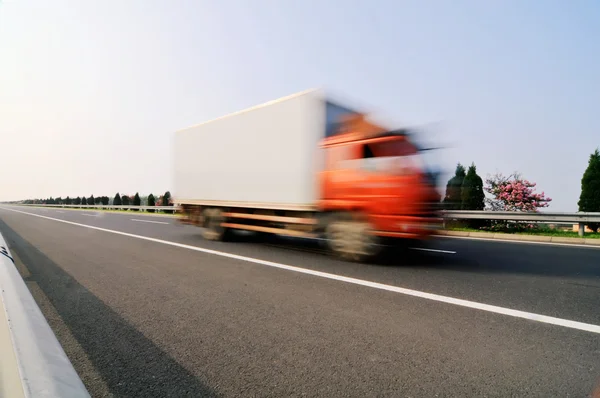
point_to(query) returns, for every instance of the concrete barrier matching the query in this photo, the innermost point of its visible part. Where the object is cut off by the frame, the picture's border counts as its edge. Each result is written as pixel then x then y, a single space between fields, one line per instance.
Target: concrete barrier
pixel 32 361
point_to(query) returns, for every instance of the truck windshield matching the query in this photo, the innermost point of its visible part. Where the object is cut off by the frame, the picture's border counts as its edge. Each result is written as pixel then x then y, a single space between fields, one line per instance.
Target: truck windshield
pixel 395 156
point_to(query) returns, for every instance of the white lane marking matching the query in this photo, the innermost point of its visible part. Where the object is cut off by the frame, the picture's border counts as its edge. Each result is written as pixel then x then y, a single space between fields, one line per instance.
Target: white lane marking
pixel 529 242
pixel 89 215
pixel 433 250
pixel 155 222
pixel 588 327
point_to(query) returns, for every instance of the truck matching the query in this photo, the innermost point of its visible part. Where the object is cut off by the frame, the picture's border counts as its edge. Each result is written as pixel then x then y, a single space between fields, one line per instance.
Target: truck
pixel 305 166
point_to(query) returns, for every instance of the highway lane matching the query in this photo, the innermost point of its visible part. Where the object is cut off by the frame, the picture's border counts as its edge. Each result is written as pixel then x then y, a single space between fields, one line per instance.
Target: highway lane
pixel 157 320
pixel 557 281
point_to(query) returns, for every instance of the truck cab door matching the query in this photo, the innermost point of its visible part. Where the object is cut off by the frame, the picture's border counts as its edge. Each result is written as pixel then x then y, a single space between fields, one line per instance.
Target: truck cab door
pixel 341 175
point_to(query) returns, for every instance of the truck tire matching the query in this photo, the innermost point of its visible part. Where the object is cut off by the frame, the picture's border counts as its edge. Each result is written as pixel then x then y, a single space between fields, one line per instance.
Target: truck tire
pixel 350 238
pixel 212 225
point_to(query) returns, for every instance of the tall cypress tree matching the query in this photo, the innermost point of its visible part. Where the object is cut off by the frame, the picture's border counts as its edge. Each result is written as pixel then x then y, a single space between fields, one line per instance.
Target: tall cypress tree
pixel 452 200
pixel 137 201
pixel 165 201
pixel 589 199
pixel 166 198
pixel 117 200
pixel 151 202
pixel 472 195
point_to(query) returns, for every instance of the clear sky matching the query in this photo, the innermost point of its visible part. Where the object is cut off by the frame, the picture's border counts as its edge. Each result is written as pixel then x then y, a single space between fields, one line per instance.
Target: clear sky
pixel 92 91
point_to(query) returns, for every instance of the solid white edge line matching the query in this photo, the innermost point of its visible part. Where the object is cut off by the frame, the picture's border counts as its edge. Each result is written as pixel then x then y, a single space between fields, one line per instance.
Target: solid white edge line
pixel 529 242
pixel 154 222
pixel 375 285
pixel 423 249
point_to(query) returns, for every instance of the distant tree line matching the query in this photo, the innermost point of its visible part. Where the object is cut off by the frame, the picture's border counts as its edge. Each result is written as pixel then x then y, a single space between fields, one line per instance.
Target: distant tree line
pixel 117 200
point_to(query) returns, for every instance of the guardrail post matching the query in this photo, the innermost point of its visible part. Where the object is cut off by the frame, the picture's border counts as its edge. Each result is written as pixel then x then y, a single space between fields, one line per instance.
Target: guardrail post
pixel 581 229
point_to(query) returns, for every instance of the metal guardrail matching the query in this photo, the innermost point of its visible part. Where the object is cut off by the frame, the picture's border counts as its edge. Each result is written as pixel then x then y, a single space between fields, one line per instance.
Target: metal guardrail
pixel 105 207
pixel 446 214
pixel 521 216
pixel 28 342
pixel 581 218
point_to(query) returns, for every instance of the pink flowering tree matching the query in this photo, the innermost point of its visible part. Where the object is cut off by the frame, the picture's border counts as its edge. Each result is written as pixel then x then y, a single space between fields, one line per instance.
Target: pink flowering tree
pixel 514 193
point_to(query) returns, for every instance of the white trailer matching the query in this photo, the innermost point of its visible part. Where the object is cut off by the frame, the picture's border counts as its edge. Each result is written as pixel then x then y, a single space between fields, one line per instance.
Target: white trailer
pixel 265 157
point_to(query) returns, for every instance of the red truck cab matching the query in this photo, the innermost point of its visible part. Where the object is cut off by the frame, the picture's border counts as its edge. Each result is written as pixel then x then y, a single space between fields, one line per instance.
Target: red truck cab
pixel 374 183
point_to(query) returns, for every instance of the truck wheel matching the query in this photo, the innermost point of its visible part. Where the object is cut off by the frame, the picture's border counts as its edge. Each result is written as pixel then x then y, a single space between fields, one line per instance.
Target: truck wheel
pixel 212 223
pixel 350 239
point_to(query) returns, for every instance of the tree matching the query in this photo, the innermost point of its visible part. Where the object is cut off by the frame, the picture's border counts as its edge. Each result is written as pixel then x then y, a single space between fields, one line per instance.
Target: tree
pixel 166 201
pixel 91 200
pixel 472 195
pixel 589 199
pixel 77 201
pixel 104 200
pixel 117 200
pixel 68 201
pixel 126 200
pixel 83 200
pixel 514 193
pixel 58 201
pixel 452 200
pixel 136 200
pixel 151 202
pixel 98 200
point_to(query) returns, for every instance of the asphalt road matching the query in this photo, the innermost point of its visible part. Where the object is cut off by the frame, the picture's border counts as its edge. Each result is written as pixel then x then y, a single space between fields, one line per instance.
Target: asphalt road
pixel 159 318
